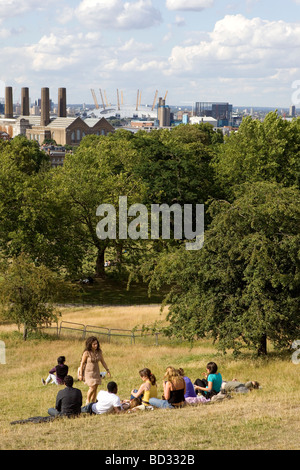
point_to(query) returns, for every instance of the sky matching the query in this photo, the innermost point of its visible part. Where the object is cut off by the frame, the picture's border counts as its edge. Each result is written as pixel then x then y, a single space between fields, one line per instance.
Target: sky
pixel 243 52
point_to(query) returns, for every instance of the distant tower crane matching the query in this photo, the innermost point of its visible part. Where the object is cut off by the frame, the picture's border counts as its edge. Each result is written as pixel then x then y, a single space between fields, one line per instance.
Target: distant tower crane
pixel 118 100
pixel 102 99
pixel 95 99
pixel 137 100
pixel 154 102
pixel 105 98
pixel 166 95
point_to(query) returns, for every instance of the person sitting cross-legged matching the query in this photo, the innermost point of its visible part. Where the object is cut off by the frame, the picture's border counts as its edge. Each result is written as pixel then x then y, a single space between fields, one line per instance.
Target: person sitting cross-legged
pixel 68 400
pixel 174 388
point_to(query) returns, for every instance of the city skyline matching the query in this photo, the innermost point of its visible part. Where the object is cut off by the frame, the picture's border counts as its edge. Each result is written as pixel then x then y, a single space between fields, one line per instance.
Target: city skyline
pixel 241 52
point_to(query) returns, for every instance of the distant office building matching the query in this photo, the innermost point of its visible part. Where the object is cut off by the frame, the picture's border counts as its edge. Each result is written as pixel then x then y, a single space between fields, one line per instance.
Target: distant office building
pixel 204 120
pixel 141 124
pixel 292 111
pixel 1 108
pixel 185 118
pixel 220 111
pixel 35 110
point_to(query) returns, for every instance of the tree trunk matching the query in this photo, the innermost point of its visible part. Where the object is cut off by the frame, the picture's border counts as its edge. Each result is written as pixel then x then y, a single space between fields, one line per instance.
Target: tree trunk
pixel 262 348
pixel 100 272
pixel 25 332
pixel 119 256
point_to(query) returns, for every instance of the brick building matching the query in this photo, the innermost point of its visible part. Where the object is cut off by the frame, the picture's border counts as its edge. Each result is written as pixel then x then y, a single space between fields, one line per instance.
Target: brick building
pixel 68 131
pixel 64 130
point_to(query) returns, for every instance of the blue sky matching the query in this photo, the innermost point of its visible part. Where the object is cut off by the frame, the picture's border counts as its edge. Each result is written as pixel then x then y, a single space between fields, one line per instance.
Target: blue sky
pixel 244 52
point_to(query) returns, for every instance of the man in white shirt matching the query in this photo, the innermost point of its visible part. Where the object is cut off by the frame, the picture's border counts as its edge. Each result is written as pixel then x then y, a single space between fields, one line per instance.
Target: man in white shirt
pixel 107 402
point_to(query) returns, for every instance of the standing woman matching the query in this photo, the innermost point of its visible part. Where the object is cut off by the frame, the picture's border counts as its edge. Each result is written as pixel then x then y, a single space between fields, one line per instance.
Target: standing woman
pixel 89 370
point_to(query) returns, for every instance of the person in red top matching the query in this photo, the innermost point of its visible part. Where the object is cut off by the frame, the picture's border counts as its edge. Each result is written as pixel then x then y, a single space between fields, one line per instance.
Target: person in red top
pixel 57 373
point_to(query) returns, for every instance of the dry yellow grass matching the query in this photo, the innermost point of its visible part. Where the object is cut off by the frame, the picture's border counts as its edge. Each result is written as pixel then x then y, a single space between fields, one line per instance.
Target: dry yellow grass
pixel 114 317
pixel 263 419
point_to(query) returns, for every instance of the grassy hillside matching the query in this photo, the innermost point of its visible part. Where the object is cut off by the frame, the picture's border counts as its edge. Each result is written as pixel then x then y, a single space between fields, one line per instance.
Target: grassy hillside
pixel 263 419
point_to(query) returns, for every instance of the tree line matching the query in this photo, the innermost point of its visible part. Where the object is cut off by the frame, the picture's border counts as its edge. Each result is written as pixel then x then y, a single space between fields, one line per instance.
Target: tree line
pixel 241 289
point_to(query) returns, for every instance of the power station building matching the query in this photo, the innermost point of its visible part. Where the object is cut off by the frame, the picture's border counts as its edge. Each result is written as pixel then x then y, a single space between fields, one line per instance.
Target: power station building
pixel 163 113
pixel 64 130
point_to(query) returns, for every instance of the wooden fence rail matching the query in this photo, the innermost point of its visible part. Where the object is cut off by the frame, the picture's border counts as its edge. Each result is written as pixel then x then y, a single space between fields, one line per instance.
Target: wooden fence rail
pixel 85 330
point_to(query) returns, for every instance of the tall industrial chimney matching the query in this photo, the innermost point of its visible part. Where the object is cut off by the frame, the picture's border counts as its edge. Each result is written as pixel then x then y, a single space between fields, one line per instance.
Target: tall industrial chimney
pixel 62 102
pixel 45 107
pixel 9 110
pixel 25 102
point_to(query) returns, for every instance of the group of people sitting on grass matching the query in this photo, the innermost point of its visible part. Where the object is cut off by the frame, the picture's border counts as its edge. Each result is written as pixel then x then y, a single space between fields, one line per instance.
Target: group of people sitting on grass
pixel 178 391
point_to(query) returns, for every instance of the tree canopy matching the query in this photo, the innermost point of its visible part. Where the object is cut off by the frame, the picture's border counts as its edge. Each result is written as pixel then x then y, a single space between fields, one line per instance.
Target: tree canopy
pixel 28 293
pixel 260 151
pixel 242 288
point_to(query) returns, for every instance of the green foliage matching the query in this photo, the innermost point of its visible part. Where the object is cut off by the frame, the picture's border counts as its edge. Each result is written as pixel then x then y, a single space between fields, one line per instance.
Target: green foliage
pixel 175 165
pixel 21 155
pixel 99 172
pixel 260 151
pixel 21 163
pixel 28 293
pixel 243 287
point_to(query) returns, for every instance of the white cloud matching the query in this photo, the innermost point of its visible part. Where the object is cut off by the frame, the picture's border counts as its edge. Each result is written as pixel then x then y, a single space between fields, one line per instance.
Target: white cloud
pixel 179 21
pixel 13 8
pixel 134 46
pixel 79 61
pixel 53 52
pixel 60 51
pixel 117 14
pixel 239 46
pixel 65 14
pixel 140 14
pixel 137 65
pixel 192 5
pixel 5 33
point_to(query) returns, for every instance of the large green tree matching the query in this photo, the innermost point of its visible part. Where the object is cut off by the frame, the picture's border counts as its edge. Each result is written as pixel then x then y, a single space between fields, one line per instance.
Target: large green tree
pixel 175 167
pixel 20 163
pixel 242 288
pixel 28 293
pixel 260 151
pixel 98 173
pixel 34 218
